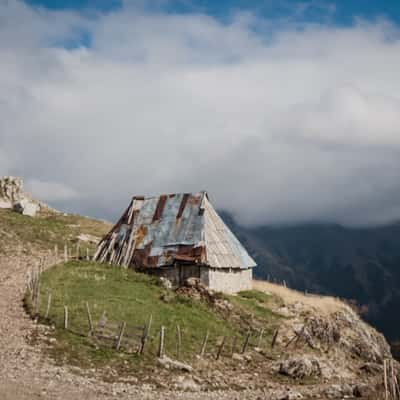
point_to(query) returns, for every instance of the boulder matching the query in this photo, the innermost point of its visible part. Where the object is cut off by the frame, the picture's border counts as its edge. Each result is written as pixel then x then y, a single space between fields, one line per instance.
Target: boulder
pixel 363 390
pixel 338 391
pixel 166 283
pixel 169 363
pixel 192 282
pixel 300 367
pixel 26 207
pixel 287 395
pixel 372 368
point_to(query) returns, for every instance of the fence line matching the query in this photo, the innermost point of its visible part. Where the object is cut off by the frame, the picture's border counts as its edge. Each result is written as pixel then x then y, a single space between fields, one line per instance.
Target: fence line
pixel 132 338
pixel 124 336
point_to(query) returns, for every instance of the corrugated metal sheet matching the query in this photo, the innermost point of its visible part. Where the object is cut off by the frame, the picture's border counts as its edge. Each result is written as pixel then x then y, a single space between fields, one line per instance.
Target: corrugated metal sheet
pixel 159 231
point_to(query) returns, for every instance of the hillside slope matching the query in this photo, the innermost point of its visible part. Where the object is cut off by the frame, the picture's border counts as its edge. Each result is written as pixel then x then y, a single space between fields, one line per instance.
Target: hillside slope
pixel 321 343
pixel 358 264
pixel 47 230
pixel 322 346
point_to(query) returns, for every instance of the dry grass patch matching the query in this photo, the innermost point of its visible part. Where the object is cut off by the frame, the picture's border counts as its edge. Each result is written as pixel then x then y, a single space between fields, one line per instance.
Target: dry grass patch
pixel 324 304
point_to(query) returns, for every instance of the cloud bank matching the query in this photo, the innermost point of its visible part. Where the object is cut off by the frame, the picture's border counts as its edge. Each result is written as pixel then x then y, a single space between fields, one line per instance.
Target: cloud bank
pixel 279 124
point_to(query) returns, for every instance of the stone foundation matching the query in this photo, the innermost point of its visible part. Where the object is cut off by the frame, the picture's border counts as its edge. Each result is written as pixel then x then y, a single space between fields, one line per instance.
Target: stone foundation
pixel 227 280
pixel 221 280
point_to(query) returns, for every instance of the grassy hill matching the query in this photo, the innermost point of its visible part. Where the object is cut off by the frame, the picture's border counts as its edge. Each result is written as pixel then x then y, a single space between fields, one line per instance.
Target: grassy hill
pixel 314 332
pixel 45 231
pixel 123 295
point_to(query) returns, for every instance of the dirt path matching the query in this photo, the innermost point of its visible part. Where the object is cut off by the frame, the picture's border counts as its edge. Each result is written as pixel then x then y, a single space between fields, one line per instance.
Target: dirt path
pixel 26 374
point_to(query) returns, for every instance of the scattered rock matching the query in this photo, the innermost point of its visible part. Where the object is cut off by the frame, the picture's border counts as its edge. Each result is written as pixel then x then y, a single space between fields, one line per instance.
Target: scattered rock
pixel 26 207
pixel 284 312
pixel 363 390
pixel 192 282
pixel 194 289
pixel 300 367
pixel 85 237
pixel 338 391
pixel 168 363
pixel 186 384
pixel 372 368
pixel 166 283
pixel 288 395
pixel 237 357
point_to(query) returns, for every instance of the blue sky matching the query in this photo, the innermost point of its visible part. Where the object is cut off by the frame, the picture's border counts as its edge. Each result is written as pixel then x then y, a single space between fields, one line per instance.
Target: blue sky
pixel 340 12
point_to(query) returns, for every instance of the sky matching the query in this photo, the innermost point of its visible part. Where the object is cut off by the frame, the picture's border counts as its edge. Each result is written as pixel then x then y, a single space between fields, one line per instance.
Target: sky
pixel 285 112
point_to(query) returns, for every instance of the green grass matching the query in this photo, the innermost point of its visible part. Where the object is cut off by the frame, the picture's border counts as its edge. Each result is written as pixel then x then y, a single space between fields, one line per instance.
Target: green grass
pixel 257 304
pixel 45 231
pixel 132 297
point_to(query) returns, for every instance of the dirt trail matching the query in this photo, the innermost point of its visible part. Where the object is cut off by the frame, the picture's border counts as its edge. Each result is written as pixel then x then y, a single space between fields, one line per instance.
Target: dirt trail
pixel 25 373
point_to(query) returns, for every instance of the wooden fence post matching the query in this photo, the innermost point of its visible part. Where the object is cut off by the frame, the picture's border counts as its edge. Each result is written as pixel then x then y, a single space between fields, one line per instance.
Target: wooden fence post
pixel 37 299
pixel 246 342
pixel 385 379
pixel 396 383
pixel 161 344
pixel 203 346
pixel 65 253
pixel 55 253
pixel 32 284
pixel 90 321
pixel 48 306
pixel 392 380
pixel 65 317
pixel 87 254
pixel 260 337
pixel 274 338
pixel 234 346
pixel 220 347
pixel 120 335
pixel 146 334
pixel 78 250
pixel 178 342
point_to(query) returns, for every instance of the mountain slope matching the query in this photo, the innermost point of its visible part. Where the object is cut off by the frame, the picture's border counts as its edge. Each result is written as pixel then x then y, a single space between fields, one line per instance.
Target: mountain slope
pixel 362 264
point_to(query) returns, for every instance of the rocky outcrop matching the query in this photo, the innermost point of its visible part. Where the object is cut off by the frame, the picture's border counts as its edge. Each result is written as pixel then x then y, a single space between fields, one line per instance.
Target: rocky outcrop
pixel 13 197
pixel 10 191
pixel 360 339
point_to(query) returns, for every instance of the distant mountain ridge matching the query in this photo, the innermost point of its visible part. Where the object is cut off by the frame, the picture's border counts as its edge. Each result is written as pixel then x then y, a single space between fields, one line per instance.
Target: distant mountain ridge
pixel 362 264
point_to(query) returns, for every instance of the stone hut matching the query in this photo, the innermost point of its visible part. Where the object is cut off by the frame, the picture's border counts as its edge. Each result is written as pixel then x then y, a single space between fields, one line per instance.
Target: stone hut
pixel 178 236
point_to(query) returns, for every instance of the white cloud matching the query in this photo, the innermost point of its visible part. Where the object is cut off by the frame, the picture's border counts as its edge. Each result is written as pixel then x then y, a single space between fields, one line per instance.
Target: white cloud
pixel 50 191
pixel 301 125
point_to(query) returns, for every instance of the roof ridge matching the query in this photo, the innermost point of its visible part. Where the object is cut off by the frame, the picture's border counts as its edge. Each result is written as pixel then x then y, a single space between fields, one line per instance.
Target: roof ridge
pixel 143 197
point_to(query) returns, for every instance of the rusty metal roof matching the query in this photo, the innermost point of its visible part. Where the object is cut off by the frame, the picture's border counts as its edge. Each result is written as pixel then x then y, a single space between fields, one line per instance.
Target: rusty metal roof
pixel 159 231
